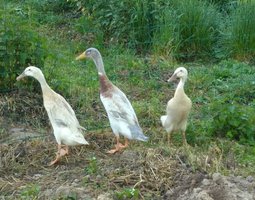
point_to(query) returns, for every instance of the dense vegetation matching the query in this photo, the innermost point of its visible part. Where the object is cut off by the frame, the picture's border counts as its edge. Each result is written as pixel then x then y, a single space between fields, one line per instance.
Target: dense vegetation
pixel 142 41
pixel 20 45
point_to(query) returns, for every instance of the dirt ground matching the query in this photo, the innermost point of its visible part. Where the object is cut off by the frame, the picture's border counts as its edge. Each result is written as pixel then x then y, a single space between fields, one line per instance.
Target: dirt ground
pixel 90 173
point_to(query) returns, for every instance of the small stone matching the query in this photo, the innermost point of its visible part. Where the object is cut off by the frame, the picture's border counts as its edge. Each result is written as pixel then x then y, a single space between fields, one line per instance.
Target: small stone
pixel 197 190
pixel 206 182
pixel 76 180
pixel 63 190
pixel 169 192
pixel 74 184
pixel 37 176
pixel 69 190
pixel 217 178
pixel 46 194
pixel 203 195
pixel 98 177
pixel 105 196
pixel 15 130
pixel 250 179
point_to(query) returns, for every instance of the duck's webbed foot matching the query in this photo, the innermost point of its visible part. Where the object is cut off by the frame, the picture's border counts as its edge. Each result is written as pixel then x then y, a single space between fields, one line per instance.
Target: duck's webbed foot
pixel 119 146
pixel 61 152
pixel 125 145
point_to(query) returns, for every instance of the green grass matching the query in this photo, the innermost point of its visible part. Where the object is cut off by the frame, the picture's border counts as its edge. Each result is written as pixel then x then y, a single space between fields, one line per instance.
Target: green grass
pixel 30 191
pixel 239 38
pixel 187 30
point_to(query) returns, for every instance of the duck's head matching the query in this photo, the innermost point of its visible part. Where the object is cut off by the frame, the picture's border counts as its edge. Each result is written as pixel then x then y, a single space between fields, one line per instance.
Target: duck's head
pixel 30 71
pixel 179 73
pixel 95 55
pixel 89 53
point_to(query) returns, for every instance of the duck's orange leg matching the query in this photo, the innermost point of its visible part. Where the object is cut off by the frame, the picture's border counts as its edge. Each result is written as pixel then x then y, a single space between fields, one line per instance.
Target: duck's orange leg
pixel 118 146
pixel 125 145
pixel 61 152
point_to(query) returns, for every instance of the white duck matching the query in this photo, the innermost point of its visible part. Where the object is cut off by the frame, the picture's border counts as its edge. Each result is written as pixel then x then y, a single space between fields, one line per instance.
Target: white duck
pixel 120 112
pixel 67 129
pixel 178 107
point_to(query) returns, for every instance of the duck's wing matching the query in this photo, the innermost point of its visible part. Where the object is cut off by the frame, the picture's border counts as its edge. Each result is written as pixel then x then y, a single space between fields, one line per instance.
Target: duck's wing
pixel 119 109
pixel 62 114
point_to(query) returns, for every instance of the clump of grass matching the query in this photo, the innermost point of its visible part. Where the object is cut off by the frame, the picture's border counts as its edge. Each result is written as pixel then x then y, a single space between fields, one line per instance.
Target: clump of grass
pixel 188 29
pixel 31 191
pixel 128 193
pixel 239 37
pixel 92 167
pixel 131 23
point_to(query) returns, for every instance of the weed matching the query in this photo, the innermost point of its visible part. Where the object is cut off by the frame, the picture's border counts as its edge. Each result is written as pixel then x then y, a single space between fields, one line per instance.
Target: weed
pixel 31 191
pixel 234 122
pixel 92 167
pixel 128 193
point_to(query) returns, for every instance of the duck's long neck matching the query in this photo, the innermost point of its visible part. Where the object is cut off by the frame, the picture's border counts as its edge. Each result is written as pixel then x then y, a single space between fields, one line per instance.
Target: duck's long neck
pixel 180 87
pixel 45 87
pixel 99 64
pixel 105 83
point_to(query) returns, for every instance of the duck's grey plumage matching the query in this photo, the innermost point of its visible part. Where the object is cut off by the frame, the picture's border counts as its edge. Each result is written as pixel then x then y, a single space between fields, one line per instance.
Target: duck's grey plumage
pixel 120 112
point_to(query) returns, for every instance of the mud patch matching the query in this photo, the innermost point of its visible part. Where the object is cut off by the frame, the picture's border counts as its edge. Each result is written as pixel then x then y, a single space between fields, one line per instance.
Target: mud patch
pixel 202 187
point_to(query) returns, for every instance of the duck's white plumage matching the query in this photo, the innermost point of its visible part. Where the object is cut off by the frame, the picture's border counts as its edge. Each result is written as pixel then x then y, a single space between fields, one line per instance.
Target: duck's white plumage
pixel 178 108
pixel 120 112
pixel 66 127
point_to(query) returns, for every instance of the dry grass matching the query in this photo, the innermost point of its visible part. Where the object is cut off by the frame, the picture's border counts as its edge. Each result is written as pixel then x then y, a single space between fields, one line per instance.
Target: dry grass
pixel 146 169
pixel 152 170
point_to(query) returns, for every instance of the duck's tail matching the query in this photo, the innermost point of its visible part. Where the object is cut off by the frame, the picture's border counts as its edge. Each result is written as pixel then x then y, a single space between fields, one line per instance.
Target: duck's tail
pixel 163 119
pixel 82 128
pixel 138 134
pixel 84 142
pixel 142 137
